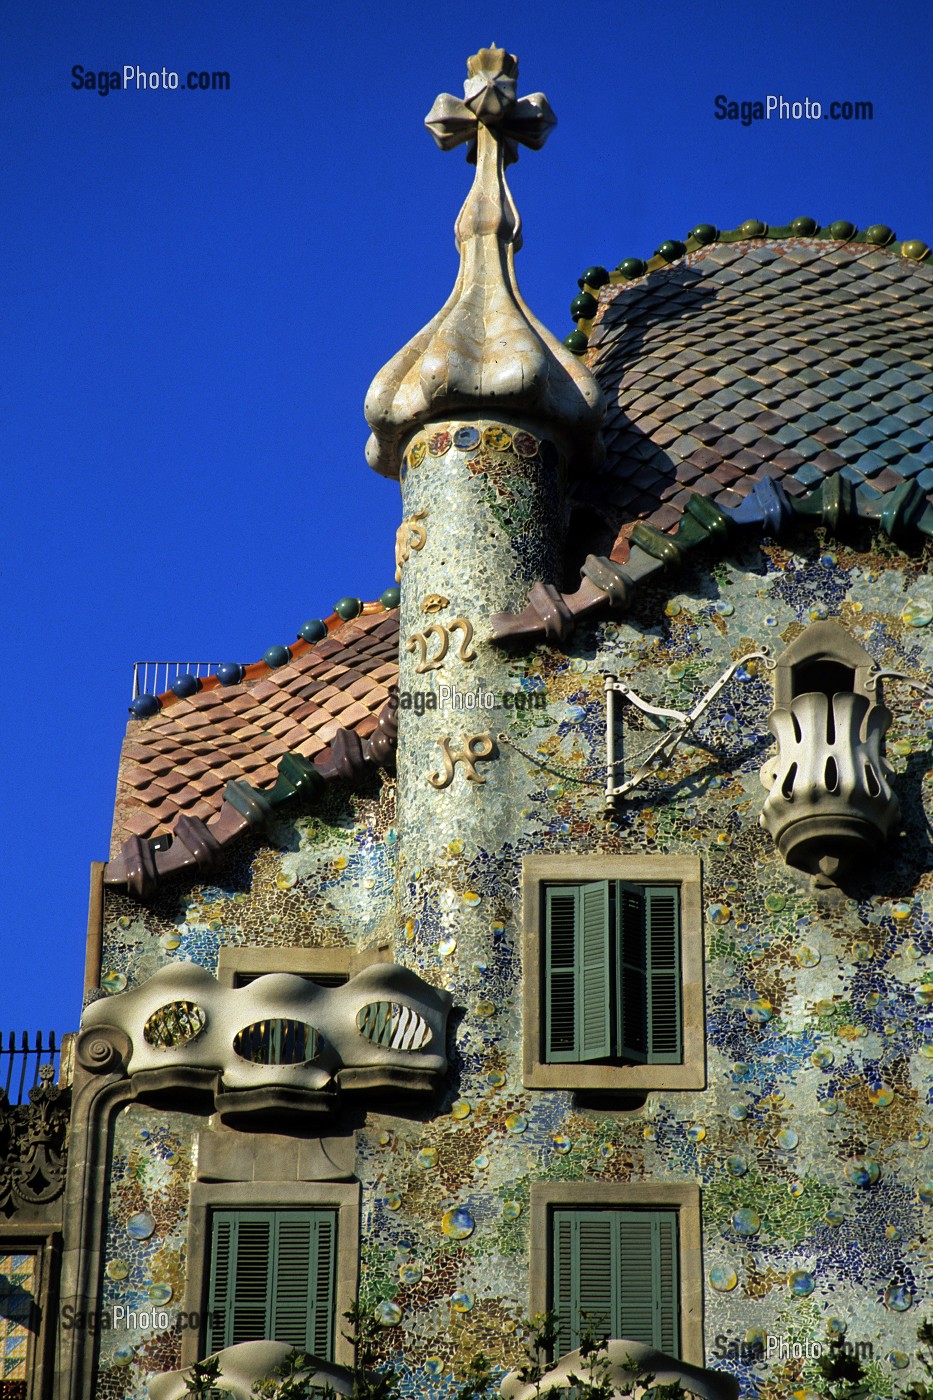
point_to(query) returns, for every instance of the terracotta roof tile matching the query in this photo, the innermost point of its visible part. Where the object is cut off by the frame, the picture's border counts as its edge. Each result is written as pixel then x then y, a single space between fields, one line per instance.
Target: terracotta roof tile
pixel 167 782
pixel 193 768
pixel 310 746
pixel 137 775
pixel 251 763
pixel 263 689
pixel 186 796
pixel 192 720
pixel 182 758
pixel 327 730
pixel 277 728
pixel 139 823
pixel 288 704
pixel 132 749
pixel 242 703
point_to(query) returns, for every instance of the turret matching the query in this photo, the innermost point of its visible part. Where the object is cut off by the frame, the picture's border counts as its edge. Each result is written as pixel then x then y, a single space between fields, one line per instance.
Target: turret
pixel 481 417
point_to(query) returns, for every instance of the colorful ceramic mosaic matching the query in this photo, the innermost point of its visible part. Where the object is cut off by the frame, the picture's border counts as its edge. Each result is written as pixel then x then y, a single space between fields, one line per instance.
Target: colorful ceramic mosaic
pixel 18 1304
pixel 143 1296
pixel 808 1148
pixel 811 1143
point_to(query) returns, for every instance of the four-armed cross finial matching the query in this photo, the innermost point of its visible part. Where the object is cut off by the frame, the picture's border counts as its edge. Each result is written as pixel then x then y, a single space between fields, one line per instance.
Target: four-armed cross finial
pixel 489 100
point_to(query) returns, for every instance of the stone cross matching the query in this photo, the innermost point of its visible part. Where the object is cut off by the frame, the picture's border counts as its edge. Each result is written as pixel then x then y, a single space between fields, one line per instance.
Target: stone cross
pixel 489 101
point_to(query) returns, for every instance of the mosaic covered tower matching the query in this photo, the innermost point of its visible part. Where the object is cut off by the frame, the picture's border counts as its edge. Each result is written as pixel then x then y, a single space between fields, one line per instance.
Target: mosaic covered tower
pixel 482 417
pixel 521 942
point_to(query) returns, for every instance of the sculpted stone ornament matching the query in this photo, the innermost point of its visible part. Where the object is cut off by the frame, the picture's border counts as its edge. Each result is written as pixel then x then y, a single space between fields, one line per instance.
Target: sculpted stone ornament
pixel 410 535
pixel 830 804
pixel 240 1368
pixel 627 1365
pixel 33 1145
pixel 475 748
pixel 280 1043
pixel 418 641
pixel 489 99
pixel 434 603
pixel 484 347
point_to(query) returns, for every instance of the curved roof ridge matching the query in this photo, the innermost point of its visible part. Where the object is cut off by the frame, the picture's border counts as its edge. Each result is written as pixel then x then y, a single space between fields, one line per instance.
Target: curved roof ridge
pixel 312 632
pixel 877 237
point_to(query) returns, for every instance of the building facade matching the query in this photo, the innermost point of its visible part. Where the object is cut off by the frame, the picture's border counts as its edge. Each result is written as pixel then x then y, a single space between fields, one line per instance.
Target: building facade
pixel 555 932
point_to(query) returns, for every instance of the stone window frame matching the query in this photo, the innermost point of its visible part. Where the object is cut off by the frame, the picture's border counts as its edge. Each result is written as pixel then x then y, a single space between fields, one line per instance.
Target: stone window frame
pixel 685 872
pixel 44 1243
pixel 682 1197
pixel 205 1197
pixel 346 961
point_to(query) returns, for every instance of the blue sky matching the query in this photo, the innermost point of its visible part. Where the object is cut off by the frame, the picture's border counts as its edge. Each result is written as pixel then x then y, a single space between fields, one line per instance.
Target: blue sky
pixel 198 288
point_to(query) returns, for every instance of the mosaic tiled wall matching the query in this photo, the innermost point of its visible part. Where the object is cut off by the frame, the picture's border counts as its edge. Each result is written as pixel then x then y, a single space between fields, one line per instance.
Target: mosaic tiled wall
pixel 18 1313
pixel 300 886
pixel 811 1142
pixel 143 1304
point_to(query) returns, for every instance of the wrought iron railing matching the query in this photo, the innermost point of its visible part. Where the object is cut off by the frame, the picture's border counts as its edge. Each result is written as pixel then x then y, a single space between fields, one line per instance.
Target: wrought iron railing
pixel 20 1063
pixel 155 677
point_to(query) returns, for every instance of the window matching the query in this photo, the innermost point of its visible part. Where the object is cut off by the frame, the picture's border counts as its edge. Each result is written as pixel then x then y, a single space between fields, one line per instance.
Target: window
pixel 18 1322
pixel 271 1259
pixel 613 973
pixel 320 979
pixel 621 1260
pixel 325 967
pixel 615 1275
pixel 272 1278
pixel 29 1271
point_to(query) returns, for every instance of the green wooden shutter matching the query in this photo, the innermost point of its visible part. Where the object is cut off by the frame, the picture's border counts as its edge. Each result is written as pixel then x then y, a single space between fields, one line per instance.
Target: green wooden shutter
pixel 634 1319
pixel 561 911
pixel 615 1275
pixel 565 1284
pixel 594 1011
pixel 246 1306
pixel 649 1278
pixel 665 1036
pixel 578 1014
pixel 323 1281
pixel 586 1284
pixel 631 920
pixel 302 1308
pixel 272 1277
pixel 667 1309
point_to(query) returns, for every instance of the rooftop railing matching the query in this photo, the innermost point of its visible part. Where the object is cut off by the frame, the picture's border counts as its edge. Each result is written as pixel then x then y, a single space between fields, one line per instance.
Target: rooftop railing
pixel 20 1063
pixel 155 677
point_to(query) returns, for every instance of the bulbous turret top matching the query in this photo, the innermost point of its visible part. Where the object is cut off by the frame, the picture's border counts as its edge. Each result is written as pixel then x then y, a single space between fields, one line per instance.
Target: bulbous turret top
pixel 484 352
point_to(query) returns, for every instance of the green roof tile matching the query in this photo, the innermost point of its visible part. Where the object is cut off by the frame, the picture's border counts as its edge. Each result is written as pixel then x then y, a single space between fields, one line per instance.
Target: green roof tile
pixel 801 353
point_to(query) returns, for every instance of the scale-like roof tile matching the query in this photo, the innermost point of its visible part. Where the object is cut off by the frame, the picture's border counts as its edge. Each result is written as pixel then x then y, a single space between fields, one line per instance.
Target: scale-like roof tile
pixel 807 358
pixel 182 758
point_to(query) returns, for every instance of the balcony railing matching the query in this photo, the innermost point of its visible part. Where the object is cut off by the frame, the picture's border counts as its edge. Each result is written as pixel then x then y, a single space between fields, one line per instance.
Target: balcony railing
pixel 155 677
pixel 20 1064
